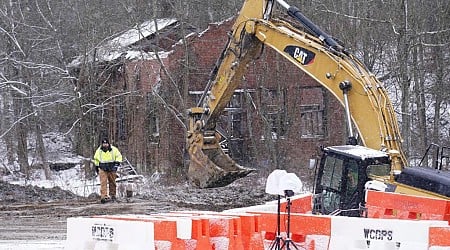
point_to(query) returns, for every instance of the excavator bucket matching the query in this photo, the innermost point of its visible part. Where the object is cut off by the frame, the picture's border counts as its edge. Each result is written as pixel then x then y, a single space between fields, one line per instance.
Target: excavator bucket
pixel 209 168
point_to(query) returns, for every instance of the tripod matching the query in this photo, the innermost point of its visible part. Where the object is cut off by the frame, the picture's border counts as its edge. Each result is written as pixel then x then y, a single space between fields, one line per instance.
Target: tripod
pixel 288 242
pixel 276 244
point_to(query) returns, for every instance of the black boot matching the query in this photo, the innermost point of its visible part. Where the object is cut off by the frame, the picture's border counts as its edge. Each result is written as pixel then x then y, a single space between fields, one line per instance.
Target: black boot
pixel 104 200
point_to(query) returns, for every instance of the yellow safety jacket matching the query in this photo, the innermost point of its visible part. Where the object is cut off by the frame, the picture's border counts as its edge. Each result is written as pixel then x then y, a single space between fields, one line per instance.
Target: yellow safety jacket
pixel 109 160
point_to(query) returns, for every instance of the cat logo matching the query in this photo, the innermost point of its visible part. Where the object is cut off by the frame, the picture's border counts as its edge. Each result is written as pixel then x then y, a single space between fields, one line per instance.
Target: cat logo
pixel 300 54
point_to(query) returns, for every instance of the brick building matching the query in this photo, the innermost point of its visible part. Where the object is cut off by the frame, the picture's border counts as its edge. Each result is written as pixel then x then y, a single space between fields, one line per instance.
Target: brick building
pixel 277 118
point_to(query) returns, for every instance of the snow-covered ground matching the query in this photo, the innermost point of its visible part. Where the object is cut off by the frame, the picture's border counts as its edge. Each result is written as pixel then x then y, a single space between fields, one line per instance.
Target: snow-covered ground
pixel 78 180
pixel 71 180
pixel 31 244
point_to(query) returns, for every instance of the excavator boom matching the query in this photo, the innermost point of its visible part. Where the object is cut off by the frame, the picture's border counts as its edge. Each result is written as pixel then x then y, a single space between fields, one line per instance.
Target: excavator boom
pixel 209 166
pixel 314 52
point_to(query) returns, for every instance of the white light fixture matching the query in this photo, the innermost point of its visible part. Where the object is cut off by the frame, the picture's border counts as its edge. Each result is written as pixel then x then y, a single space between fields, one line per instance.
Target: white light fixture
pixel 290 182
pixel 273 181
pixel 280 181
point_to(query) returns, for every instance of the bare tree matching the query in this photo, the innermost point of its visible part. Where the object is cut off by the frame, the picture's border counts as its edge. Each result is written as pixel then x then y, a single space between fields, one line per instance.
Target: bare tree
pixel 30 40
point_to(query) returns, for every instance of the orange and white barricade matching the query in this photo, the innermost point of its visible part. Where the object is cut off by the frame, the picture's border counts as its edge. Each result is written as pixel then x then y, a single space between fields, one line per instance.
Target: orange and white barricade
pixel 400 206
pixel 256 228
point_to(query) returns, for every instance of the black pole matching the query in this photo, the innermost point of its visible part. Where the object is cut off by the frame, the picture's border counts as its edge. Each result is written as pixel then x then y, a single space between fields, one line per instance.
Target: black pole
pixel 279 223
pixel 288 240
pixel 277 241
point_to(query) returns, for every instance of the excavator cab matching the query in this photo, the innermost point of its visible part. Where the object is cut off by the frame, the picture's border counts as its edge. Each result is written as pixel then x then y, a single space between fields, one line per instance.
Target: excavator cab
pixel 341 177
pixel 344 173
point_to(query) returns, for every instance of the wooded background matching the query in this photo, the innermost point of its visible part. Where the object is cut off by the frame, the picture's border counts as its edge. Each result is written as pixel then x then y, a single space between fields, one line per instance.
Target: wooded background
pixel 405 43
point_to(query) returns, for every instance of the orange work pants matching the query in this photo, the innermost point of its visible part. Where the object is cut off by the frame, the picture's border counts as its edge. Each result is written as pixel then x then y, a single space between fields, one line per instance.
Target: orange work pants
pixel 107 181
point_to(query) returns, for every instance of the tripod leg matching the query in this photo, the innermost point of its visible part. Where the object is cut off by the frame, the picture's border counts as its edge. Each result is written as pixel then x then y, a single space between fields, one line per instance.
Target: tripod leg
pixel 276 244
pixel 288 244
pixel 288 240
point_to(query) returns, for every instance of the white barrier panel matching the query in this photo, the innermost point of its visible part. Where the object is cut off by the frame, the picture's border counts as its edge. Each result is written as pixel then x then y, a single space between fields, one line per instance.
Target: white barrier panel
pixel 105 234
pixel 380 234
pixel 184 228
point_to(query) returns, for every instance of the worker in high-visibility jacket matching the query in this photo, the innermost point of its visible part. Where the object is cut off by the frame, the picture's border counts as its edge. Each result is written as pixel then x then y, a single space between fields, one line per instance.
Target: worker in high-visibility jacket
pixel 107 159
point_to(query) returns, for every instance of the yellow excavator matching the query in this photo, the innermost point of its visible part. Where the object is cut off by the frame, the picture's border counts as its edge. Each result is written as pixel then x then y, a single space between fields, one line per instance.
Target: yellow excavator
pixel 325 60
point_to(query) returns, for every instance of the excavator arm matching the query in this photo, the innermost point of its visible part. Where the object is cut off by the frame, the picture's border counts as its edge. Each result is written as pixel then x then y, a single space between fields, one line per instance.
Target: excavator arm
pixel 313 52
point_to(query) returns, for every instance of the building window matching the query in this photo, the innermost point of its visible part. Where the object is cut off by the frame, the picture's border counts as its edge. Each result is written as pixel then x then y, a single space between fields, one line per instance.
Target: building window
pixel 120 118
pixel 312 121
pixel 153 119
pixel 154 127
pixel 231 119
pixel 273 106
pixel 231 124
pixel 233 114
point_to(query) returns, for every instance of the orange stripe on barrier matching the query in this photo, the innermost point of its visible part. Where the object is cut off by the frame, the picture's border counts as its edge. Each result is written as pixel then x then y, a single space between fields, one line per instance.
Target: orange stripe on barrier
pixel 166 231
pixel 299 204
pixel 268 224
pixel 251 232
pixel 310 224
pixel 301 224
pixel 439 236
pixel 200 233
pixel 236 236
pixel 400 206
pixel 225 232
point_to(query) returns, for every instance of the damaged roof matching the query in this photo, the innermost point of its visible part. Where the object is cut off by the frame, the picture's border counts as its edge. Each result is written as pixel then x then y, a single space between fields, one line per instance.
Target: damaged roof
pixel 128 44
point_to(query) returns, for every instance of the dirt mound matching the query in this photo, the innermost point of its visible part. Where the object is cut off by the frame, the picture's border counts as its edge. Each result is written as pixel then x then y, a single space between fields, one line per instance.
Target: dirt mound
pixel 11 193
pixel 244 192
